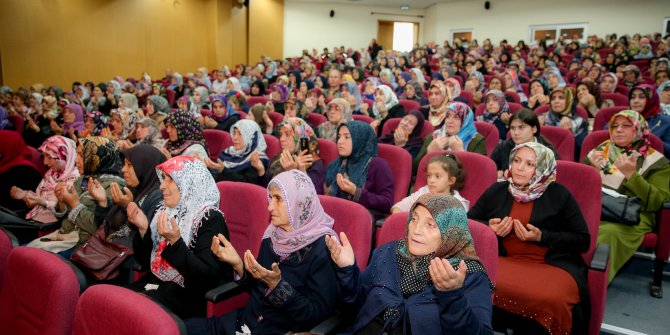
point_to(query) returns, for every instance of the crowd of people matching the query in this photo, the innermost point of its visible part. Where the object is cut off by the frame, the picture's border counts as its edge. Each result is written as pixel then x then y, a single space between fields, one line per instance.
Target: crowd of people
pixel 128 160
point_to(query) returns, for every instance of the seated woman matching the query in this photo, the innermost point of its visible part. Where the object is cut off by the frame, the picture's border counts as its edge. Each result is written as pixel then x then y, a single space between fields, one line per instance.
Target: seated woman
pixel 257 89
pixel 563 113
pixel 629 165
pixel 414 92
pixel 541 234
pixel 588 96
pixel 430 282
pixel 358 174
pixel 438 100
pixel 73 121
pixel 338 113
pixel 99 166
pixel 538 95
pixel 17 170
pixel 292 283
pixel 246 160
pixel 175 244
pixel 445 175
pixel 496 112
pixel 386 106
pixel 123 127
pixel 278 96
pixel 408 133
pixel 524 126
pixel 185 136
pixel 644 100
pixel 475 85
pixel 158 109
pixel 223 115
pixel 293 132
pixel 259 114
pixel 349 91
pixel 458 134
pixel 553 78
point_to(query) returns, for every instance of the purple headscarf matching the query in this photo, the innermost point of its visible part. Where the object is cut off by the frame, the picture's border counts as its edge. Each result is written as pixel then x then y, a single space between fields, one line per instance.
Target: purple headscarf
pixel 4 119
pixel 308 220
pixel 283 92
pixel 78 123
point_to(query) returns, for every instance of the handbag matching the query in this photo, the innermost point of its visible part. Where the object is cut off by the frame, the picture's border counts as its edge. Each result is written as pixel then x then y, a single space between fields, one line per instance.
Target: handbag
pixel 100 256
pixel 623 209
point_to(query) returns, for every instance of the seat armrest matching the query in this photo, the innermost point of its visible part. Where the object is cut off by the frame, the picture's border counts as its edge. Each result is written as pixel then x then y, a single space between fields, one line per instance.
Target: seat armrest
pixel 381 221
pixel 223 292
pixel 329 326
pixel 601 257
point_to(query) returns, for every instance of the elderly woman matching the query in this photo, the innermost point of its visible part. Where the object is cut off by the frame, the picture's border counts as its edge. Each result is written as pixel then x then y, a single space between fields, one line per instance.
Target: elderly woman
pixel 293 134
pixel 158 109
pixel 339 112
pixel 185 136
pixel 386 106
pixel 245 160
pixel 358 174
pixel 629 165
pixel 430 282
pixel 292 283
pixel 541 233
pixel 175 244
pixel 147 132
pixel 123 125
pixel 408 133
pixel 644 100
pixel 563 113
pixel 496 112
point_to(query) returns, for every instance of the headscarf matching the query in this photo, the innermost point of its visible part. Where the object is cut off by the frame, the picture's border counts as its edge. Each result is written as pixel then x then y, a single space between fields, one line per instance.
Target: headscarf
pixel 468 129
pixel 300 129
pixel 298 78
pixel 456 246
pixel 130 101
pixel 198 196
pixel 502 102
pixel 154 136
pixel 353 90
pixel 414 139
pixel 223 100
pixel 241 101
pixel 391 78
pixel 659 90
pixel 4 119
pixel 614 77
pixel 64 151
pixel 128 119
pixel 261 88
pixel 13 151
pixel 307 218
pixel 99 120
pixel 161 105
pixel 594 90
pixel 117 87
pixel 391 100
pixel 569 105
pixel 328 130
pixel 545 173
pixel 517 85
pixel 543 83
pixel 236 84
pixel 418 91
pixel 253 139
pixel 101 156
pixel 557 72
pixel 653 105
pixel 204 95
pixel 78 124
pixel 457 88
pixel 189 132
pixel 283 92
pixel 480 78
pixel 419 76
pixel 354 167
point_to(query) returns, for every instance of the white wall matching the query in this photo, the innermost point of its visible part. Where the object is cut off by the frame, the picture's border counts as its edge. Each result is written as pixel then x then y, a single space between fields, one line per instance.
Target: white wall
pixel 308 25
pixel 510 19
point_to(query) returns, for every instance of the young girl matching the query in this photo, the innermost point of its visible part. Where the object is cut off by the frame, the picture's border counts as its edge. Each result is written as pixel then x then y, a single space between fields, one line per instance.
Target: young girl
pixel 445 175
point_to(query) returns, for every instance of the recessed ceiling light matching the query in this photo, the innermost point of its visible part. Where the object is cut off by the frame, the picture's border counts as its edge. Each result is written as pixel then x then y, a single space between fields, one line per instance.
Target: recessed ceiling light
pixel 404 7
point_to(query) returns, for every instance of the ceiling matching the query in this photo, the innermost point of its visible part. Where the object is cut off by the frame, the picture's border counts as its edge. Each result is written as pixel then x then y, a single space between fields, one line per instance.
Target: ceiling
pixel 413 4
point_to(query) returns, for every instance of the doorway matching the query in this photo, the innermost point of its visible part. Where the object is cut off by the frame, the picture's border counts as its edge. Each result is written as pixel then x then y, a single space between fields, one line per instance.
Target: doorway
pixel 397 35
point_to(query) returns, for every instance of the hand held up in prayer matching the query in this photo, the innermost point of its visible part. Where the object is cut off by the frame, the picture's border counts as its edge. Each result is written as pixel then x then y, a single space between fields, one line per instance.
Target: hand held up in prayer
pixel 341 254
pixel 304 161
pixel 97 192
pixel 17 193
pixel 225 252
pixel 270 278
pixel 627 164
pixel 137 217
pixel 168 228
pixel 443 275
pixel 345 184
pixel 121 198
pixel 566 123
pixel 399 137
pixel 70 197
pixel 501 227
pixel 286 160
pixel 456 144
pixel 529 233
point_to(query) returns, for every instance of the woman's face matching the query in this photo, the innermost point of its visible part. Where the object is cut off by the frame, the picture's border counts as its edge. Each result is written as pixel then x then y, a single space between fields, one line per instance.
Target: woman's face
pixel 438 179
pixel 344 142
pixel 508 81
pixel 286 138
pixel 230 86
pixel 277 209
pixel 558 102
pixel 492 105
pixel 275 96
pixel 638 100
pixel 117 124
pixel 423 233
pixel 408 123
pixel 582 91
pixel 97 92
pixel 521 132
pixel 552 80
pixel 141 131
pixel 335 113
pixel 90 124
pixel 452 123
pixel 172 132
pixel 369 87
pixel 623 131
pixel 318 83
pixel 435 97
pixel 607 85
pixel 129 174
pixel 80 159
pixel 197 98
pixel 380 98
pixel 238 141
pixel 69 116
pixel 523 166
pixel 630 76
pixel 495 84
pixel 303 87
pixel 51 163
pixel 594 73
pixel 150 108
pixel 665 96
pixel 170 190
pixel 218 108
pixel 255 90
pixel 409 91
pixel 290 111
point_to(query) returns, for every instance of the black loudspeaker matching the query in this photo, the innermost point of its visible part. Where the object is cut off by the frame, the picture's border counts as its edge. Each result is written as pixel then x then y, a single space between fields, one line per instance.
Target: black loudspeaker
pixel 332 13
pixel 487 5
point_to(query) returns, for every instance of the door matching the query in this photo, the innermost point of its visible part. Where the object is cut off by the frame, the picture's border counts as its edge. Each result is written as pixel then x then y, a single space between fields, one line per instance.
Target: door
pixel 385 34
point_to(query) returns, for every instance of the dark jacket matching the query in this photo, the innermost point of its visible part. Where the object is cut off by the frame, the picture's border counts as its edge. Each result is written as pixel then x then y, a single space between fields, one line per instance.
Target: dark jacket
pixel 227 122
pixel 395 111
pixel 501 152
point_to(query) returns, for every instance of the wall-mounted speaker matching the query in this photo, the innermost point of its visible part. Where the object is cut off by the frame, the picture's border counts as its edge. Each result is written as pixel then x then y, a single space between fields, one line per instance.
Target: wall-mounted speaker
pixel 332 13
pixel 487 5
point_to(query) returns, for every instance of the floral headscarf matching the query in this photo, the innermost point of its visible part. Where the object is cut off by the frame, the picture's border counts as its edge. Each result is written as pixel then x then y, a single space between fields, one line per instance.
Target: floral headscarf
pixel 128 119
pixel 300 129
pixel 614 77
pixel 198 196
pixel 545 173
pixel 253 139
pixel 307 218
pixel 504 107
pixel 130 101
pixel 468 129
pixel 355 166
pixel 189 132
pixel 391 100
pixel 569 104
pixel 99 120
pixel 480 78
pixel 101 156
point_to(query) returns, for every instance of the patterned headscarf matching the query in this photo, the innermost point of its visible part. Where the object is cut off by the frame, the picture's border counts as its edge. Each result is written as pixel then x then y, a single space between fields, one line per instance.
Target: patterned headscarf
pixel 99 120
pixel 480 78
pixel 307 218
pixel 355 166
pixel 419 75
pixel 502 102
pixel 117 87
pixel 161 105
pixel 391 100
pixel 198 196
pixel 253 139
pixel 128 119
pixel 569 105
pixel 130 101
pixel 614 77
pixel 189 132
pixel 557 72
pixel 353 90
pixel 78 124
pixel 653 105
pixel 101 156
pixel 456 90
pixel 543 83
pixel 545 173
pixel 236 84
pixel 300 129
pixel 457 244
pixel 224 101
pixel 468 129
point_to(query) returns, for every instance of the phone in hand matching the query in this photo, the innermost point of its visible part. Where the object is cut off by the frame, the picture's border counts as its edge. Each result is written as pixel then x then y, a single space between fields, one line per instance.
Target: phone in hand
pixel 304 144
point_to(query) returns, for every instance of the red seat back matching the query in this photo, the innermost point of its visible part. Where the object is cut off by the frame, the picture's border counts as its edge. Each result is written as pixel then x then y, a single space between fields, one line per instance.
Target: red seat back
pixel 490 133
pixel 252 101
pixel 604 115
pixel 618 98
pixel 170 94
pixel 355 221
pixel 217 140
pixel 469 97
pixel 315 119
pixel 18 122
pixel 562 140
pixel 409 105
pixel 273 146
pixel 276 118
pixel 391 124
pixel 327 151
pixel 546 107
pixel 514 96
pixel 366 119
pixel 400 162
pixel 38 161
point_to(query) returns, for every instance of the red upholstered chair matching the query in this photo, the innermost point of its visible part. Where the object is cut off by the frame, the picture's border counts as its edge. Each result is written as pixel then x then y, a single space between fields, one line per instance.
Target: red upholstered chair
pixel 562 140
pixel 526 88
pixel 327 151
pixel 604 115
pixel 618 98
pixel 164 134
pixel 486 243
pixel 482 173
pixel 39 293
pixel 244 207
pixel 490 133
pixel 171 95
pixel 252 101
pixel 370 103
pixel 469 97
pixel 354 220
pixel 400 162
pixel 514 96
pixel 109 309
pixel 391 124
pixel 206 112
pixel 315 119
pixel 623 89
pixel 276 118
pixel 584 182
pixel 217 140
pixel 593 139
pixel 546 107
pixel 18 122
pixel 273 146
pixel 409 105
pixel 243 115
pixel 366 119
pixel 38 161
pixel 7 242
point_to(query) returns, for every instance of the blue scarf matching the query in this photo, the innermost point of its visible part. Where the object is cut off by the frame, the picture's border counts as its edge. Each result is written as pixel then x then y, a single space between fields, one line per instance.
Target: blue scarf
pixel 354 167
